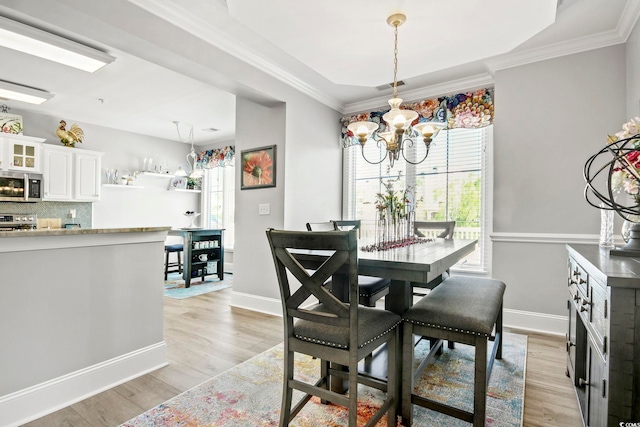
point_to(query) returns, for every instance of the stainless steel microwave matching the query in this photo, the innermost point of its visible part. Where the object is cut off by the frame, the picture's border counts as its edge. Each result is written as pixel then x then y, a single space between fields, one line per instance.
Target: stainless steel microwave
pixel 20 187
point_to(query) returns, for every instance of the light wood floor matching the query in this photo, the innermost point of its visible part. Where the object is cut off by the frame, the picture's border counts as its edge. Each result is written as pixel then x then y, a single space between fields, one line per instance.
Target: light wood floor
pixel 206 337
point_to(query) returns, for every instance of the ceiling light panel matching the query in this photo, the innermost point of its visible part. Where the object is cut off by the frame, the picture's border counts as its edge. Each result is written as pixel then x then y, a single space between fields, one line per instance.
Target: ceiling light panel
pixel 23 93
pixel 23 38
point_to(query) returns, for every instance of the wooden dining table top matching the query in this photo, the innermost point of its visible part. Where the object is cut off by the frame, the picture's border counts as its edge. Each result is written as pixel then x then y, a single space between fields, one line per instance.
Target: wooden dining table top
pixel 420 262
pixel 416 263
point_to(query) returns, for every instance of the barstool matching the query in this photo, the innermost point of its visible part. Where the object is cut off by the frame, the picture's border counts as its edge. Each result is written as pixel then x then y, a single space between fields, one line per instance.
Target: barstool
pixel 178 248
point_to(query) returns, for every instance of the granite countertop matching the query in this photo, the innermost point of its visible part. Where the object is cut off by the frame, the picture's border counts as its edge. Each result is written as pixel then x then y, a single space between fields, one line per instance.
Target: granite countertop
pixel 78 231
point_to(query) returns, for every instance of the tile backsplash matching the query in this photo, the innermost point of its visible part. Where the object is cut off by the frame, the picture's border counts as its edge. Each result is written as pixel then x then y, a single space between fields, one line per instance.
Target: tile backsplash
pixel 52 210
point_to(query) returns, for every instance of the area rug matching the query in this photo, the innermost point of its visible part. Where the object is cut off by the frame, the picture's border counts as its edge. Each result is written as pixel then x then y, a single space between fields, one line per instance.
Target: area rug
pixel 174 286
pixel 249 394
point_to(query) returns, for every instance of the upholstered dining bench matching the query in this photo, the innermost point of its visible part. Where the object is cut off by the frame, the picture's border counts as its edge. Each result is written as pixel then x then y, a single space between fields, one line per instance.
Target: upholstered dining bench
pixel 463 310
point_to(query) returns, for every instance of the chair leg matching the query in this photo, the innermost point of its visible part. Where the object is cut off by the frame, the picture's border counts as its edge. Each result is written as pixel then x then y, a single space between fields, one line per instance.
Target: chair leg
pixel 179 262
pixel 393 377
pixel 407 372
pixel 166 264
pixel 324 373
pixel 353 391
pixel 499 334
pixel 287 392
pixel 480 383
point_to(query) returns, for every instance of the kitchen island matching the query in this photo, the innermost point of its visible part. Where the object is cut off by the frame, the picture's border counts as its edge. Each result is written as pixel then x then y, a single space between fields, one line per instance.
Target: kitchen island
pixel 203 252
pixel 81 311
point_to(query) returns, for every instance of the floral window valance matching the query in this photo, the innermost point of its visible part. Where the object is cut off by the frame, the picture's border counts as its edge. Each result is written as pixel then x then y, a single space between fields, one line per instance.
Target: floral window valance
pixel 217 158
pixel 463 110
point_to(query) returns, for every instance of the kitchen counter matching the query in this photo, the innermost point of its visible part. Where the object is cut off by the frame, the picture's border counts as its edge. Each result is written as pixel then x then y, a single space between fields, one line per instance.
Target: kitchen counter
pixel 60 238
pixel 81 311
pixel 75 231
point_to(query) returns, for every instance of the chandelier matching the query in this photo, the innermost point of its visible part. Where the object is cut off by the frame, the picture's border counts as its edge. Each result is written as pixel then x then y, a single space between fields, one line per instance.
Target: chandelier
pixel 399 132
pixel 192 157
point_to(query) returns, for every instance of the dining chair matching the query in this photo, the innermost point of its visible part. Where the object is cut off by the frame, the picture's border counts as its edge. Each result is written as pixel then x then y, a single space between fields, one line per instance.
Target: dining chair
pixel 370 289
pixel 447 228
pixel 332 331
pixel 443 229
pixel 348 224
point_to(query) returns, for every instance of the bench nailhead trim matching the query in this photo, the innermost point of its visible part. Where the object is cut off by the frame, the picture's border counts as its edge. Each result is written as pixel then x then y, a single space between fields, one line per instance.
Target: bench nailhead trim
pixel 446 328
pixel 331 344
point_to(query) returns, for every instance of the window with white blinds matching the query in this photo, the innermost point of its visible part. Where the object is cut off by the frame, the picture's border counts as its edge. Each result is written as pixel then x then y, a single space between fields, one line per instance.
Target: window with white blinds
pixel 450 185
pixel 218 201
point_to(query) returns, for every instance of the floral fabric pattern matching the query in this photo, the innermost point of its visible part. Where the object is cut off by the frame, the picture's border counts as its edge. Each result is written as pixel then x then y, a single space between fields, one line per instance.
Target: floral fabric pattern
pixel 463 110
pixel 217 158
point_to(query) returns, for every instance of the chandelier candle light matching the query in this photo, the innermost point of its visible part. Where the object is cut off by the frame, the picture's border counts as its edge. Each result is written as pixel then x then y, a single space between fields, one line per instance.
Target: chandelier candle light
pixel 400 131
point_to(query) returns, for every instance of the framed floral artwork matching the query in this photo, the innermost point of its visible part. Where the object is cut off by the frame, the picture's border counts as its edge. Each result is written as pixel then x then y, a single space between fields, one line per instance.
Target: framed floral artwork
pixel 258 167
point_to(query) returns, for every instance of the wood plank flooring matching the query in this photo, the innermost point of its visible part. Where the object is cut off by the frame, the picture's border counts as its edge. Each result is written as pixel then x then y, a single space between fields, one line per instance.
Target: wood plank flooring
pixel 205 337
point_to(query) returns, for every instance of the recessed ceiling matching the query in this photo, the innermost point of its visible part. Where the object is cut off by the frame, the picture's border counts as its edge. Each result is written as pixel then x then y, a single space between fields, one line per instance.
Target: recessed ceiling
pixel 336 52
pixel 350 42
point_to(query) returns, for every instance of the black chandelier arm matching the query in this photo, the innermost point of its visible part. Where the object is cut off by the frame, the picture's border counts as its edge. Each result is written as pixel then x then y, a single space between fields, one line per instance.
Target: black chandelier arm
pixel 369 161
pixel 607 200
pixel 419 161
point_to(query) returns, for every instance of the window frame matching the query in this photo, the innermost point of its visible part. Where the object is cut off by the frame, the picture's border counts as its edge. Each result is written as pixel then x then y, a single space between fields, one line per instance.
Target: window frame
pixel 486 216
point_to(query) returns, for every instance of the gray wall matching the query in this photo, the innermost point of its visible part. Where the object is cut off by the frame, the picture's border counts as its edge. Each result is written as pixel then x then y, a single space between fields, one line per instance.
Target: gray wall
pixel 550 117
pixel 308 186
pixel 633 73
pixel 253 267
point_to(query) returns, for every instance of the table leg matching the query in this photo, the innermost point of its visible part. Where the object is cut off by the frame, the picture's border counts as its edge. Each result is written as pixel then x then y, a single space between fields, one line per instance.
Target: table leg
pixel 399 298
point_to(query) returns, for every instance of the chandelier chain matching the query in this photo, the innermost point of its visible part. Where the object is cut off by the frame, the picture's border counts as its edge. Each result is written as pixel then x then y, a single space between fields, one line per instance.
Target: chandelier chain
pixel 395 61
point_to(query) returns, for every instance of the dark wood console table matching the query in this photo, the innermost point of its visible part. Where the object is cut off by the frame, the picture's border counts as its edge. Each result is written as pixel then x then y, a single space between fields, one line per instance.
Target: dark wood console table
pixel 203 252
pixel 603 339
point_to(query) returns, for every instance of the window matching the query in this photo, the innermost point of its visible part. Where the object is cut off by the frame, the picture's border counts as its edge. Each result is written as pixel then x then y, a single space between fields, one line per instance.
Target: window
pixel 450 185
pixel 218 193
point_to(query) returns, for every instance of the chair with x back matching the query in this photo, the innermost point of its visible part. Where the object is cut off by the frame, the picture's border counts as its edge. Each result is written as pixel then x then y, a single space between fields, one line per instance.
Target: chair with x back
pixel 444 229
pixel 348 224
pixel 370 289
pixel 432 229
pixel 331 330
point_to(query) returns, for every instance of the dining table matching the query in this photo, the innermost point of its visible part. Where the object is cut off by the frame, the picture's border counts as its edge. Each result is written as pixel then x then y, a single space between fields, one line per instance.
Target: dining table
pixel 421 263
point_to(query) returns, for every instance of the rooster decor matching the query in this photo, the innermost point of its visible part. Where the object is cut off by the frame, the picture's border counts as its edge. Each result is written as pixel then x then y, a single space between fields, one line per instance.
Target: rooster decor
pixel 71 136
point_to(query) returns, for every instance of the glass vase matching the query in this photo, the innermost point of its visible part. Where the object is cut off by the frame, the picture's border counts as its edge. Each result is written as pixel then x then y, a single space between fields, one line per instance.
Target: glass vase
pixel 626 230
pixel 606 227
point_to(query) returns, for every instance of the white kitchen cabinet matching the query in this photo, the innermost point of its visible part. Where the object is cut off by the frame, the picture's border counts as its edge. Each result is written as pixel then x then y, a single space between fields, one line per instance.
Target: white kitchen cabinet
pixel 71 174
pixel 87 165
pixel 20 153
pixel 58 173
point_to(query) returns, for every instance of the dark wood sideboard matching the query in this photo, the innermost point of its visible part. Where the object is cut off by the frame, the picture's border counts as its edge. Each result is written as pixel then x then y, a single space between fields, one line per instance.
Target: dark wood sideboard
pixel 603 338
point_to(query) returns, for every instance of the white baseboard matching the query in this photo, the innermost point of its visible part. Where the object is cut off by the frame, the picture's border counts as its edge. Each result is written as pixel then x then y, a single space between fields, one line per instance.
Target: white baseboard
pixel 42 399
pixel 535 322
pixel 527 320
pixel 257 303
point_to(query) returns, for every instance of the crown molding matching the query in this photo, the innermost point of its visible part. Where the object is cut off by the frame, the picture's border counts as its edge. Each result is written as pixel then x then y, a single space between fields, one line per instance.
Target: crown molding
pixel 625 26
pixel 201 28
pixel 446 88
pixel 556 50
pixel 628 19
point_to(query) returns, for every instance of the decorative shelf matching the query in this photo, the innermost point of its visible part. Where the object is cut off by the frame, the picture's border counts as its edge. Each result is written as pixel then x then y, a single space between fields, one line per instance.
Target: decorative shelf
pixel 123 186
pixel 184 190
pixel 158 175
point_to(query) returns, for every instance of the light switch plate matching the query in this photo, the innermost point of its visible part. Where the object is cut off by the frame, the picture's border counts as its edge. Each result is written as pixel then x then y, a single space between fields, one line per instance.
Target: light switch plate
pixel 263 209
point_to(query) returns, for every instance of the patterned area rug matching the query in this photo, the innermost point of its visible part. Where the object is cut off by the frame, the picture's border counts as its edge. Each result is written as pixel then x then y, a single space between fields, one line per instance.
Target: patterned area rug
pixel 174 286
pixel 249 394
